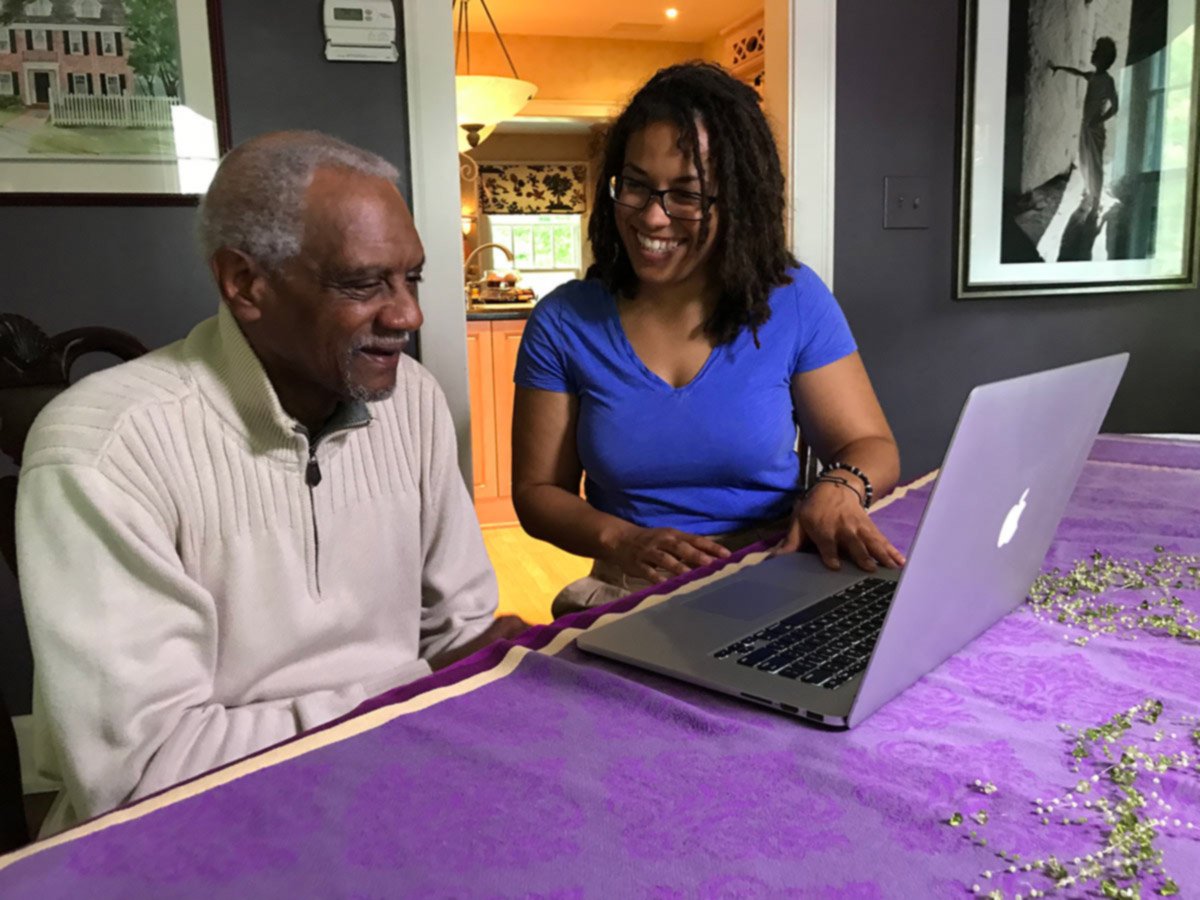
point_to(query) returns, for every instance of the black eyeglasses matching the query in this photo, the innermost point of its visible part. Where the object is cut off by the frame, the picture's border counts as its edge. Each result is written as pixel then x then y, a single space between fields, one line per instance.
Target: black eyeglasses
pixel 675 203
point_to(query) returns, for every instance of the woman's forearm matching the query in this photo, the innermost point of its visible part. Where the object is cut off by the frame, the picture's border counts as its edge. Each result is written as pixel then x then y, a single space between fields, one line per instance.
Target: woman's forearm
pixel 552 514
pixel 877 457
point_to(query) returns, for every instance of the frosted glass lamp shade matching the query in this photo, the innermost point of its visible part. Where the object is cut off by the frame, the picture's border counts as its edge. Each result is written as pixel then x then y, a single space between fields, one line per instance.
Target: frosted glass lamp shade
pixel 485 100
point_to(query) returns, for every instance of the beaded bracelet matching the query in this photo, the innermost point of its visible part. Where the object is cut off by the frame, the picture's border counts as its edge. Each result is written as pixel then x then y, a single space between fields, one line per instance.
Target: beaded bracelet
pixel 868 491
pixel 834 479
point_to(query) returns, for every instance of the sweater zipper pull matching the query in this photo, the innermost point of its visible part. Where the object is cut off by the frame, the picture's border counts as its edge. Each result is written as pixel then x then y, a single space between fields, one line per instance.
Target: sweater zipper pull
pixel 312 474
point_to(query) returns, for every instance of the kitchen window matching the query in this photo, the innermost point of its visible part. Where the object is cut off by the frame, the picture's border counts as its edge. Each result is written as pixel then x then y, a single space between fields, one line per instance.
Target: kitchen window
pixel 548 248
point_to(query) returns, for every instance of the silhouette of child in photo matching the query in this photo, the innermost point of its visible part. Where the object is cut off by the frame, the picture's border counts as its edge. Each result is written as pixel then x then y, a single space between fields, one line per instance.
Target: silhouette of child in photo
pixel 1099 105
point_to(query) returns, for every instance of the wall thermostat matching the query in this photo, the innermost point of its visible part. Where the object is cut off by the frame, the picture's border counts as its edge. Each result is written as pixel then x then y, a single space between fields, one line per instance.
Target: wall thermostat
pixel 360 31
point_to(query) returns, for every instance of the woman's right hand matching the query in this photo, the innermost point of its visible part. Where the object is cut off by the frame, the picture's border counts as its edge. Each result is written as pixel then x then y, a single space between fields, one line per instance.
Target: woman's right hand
pixel 656 554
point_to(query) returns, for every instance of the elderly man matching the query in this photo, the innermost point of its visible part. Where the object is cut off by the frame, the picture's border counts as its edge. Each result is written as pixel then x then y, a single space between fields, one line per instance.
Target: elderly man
pixel 247 533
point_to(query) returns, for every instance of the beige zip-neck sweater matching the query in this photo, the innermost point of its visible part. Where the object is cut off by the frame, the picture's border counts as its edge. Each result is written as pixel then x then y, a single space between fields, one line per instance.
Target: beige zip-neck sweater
pixel 192 596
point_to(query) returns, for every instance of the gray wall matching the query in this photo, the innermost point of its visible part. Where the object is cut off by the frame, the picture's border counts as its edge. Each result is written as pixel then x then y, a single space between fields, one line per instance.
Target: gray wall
pixel 136 268
pixel 897 107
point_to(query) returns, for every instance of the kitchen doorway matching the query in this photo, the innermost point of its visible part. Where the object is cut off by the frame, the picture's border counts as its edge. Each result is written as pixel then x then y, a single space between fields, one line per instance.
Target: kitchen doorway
pixel 806 61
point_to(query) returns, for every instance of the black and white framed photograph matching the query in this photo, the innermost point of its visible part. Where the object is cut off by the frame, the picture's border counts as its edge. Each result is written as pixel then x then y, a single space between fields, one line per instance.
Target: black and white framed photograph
pixel 110 100
pixel 1078 169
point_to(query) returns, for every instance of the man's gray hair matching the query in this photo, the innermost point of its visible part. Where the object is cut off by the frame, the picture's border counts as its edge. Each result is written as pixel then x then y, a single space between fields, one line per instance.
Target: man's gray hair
pixel 256 200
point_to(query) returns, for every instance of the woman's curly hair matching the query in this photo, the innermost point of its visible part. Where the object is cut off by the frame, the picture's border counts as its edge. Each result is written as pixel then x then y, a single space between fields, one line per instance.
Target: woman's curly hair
pixel 751 256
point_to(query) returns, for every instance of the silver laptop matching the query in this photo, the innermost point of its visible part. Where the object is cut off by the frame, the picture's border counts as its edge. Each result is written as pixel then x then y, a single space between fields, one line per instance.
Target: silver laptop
pixel 833 647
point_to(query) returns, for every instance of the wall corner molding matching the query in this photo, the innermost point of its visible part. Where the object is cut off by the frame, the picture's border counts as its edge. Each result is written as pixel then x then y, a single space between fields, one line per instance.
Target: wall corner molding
pixel 434 173
pixel 812 109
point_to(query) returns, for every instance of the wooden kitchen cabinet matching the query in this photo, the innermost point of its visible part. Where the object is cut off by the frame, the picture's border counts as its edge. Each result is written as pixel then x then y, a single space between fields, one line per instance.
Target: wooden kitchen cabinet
pixel 483 409
pixel 491 358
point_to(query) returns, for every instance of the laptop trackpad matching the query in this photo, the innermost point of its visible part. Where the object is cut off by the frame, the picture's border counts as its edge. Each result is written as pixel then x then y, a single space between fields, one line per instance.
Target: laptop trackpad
pixel 751 599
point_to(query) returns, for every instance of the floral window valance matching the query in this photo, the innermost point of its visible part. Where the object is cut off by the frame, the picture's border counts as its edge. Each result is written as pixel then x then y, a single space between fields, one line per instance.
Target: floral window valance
pixel 517 188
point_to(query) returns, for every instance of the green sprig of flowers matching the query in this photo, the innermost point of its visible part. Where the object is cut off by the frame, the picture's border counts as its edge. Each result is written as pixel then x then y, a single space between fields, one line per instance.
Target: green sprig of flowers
pixel 1130 813
pixel 1077 597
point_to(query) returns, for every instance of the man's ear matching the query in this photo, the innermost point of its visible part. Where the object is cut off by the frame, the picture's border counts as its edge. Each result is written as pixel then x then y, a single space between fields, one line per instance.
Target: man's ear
pixel 242 283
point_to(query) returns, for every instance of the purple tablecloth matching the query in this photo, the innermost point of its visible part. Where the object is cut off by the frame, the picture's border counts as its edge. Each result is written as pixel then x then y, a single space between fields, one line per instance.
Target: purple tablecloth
pixel 573 777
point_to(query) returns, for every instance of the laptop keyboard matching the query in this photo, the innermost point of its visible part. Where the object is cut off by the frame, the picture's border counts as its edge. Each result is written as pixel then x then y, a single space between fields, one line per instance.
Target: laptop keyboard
pixel 825 644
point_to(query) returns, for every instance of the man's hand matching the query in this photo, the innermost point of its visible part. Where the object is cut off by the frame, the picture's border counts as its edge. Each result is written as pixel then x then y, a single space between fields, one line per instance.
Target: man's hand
pixel 656 554
pixel 831 517
pixel 502 629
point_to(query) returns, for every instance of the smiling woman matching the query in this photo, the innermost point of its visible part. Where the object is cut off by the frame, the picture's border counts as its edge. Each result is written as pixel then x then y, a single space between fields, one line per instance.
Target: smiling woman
pixel 675 374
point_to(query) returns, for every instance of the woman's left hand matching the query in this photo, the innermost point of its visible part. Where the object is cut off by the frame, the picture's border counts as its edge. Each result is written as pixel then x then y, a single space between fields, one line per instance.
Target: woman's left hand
pixel 832 518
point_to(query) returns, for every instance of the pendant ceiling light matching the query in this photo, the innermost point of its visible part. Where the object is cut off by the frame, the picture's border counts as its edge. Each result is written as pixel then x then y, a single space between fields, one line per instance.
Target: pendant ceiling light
pixel 483 101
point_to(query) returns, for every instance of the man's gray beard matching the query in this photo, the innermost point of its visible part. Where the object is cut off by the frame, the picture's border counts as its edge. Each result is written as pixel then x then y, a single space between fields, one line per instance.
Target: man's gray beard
pixel 360 393
pixel 357 391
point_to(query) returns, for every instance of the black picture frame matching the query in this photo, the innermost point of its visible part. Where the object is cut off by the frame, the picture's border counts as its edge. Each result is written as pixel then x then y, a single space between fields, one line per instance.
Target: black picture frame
pixel 207 53
pixel 1057 192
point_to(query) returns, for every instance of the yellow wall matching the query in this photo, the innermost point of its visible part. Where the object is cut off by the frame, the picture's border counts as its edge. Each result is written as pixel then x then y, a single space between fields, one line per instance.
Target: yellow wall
pixel 594 70
pixel 527 147
pixel 713 49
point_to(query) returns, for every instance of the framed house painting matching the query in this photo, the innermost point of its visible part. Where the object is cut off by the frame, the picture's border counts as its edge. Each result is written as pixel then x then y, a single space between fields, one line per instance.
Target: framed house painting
pixel 110 101
pixel 1078 168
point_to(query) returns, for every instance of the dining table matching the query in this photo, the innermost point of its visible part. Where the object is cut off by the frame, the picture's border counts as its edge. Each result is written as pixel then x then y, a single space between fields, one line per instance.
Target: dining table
pixel 1056 755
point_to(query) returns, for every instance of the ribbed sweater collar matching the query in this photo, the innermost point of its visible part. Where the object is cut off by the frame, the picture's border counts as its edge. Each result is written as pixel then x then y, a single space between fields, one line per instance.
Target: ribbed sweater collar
pixel 233 380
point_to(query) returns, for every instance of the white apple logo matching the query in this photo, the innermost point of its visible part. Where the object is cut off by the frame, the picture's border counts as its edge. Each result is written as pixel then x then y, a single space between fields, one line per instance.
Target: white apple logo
pixel 1011 521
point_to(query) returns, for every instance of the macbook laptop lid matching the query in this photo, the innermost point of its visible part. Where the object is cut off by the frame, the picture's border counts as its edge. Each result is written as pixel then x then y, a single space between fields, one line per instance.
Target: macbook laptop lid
pixel 1013 461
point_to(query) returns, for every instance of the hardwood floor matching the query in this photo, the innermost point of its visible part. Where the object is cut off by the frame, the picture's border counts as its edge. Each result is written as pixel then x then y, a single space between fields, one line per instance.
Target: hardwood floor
pixel 530 572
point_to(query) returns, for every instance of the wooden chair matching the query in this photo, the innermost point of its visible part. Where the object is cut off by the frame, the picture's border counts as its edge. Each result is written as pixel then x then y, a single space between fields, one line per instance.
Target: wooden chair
pixel 34 368
pixel 14 831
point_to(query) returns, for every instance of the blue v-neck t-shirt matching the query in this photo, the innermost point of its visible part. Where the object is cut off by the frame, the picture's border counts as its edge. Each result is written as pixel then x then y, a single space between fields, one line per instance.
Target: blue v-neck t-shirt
pixel 713 456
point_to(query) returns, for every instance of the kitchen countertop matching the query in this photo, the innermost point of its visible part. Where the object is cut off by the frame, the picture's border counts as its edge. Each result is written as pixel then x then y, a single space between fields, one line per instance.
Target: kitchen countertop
pixel 490 311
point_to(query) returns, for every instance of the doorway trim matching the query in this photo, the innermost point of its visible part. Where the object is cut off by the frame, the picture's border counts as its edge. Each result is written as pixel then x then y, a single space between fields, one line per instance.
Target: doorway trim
pixel 31 70
pixel 433 182
pixel 806 76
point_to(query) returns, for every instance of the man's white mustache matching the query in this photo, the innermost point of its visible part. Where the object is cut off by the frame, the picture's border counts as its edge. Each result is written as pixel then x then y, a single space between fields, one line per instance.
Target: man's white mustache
pixel 384 344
